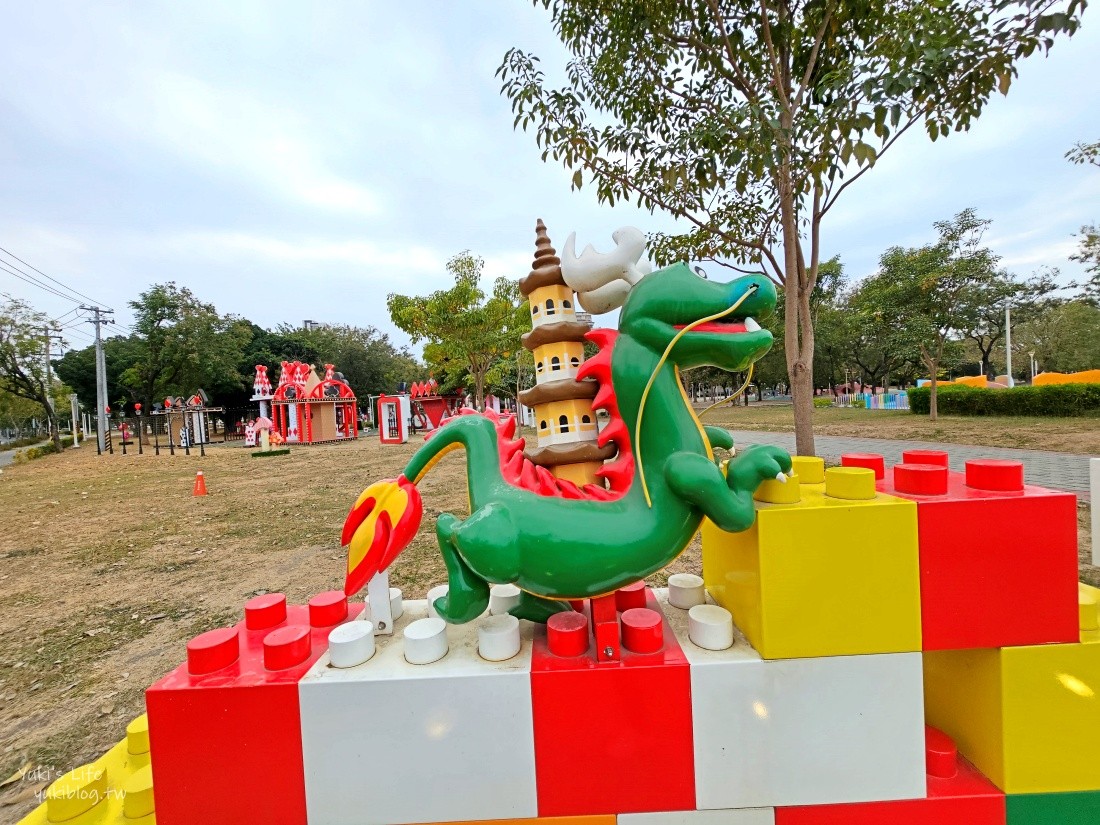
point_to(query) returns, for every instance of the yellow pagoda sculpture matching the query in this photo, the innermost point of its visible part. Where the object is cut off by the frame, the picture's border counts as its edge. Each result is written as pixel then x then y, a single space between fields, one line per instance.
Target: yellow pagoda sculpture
pixel 564 420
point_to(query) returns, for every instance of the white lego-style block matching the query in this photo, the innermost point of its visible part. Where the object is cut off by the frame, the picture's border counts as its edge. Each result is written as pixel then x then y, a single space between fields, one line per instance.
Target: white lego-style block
pixel 388 742
pixel 739 816
pixel 802 731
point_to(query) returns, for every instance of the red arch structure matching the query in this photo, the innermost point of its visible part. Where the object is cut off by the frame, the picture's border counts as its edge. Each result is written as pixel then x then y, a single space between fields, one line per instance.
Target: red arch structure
pixel 307 409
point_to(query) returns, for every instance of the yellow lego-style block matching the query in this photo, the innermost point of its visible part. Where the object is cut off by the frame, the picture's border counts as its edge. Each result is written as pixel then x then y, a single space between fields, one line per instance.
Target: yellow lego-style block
pixel 825 575
pixel 1027 717
pixel 116 789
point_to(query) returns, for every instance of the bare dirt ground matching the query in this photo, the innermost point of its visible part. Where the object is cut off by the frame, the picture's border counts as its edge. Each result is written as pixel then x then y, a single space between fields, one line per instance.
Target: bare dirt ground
pixel 108 566
pixel 1066 435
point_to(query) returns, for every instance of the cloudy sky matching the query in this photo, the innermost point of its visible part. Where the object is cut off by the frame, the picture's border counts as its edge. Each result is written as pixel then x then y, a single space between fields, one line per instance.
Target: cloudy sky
pixel 291 160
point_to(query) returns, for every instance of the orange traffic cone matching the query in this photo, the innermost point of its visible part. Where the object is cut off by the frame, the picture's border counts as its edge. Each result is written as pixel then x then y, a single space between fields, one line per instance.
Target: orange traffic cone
pixel 200 484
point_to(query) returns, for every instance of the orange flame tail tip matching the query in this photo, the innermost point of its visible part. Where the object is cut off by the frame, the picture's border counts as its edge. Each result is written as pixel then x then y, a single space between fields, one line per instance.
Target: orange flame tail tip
pixel 382 522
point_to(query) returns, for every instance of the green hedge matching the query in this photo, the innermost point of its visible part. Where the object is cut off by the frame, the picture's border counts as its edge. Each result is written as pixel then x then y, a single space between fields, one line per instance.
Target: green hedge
pixel 823 401
pixel 1047 400
pixel 31 453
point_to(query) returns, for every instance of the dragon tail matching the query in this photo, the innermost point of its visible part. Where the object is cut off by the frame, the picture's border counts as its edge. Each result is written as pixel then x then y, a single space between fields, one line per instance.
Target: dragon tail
pixel 386 516
pixel 380 525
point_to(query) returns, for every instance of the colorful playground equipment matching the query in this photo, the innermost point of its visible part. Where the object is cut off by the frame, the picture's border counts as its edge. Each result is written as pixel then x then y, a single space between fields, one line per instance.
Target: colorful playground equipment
pixel 307 409
pixel 866 644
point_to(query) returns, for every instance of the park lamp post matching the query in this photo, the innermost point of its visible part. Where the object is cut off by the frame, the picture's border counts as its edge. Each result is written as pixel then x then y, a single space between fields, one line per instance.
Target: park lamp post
pixel 1031 355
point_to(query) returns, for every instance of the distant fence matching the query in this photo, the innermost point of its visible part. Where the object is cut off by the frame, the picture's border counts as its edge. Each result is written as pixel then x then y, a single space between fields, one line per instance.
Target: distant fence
pixel 873 401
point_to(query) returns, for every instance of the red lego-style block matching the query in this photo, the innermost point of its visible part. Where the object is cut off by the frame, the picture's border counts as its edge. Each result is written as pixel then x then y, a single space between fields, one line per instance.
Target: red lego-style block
pixel 988 544
pixel 613 736
pixel 957 795
pixel 224 727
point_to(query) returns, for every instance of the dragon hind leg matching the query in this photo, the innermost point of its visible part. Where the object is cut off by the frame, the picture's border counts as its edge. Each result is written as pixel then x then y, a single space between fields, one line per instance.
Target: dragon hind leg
pixel 467 593
pixel 536 608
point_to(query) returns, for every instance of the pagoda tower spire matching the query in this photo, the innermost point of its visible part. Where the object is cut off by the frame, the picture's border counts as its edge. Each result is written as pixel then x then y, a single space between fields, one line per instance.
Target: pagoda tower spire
pixel 564 420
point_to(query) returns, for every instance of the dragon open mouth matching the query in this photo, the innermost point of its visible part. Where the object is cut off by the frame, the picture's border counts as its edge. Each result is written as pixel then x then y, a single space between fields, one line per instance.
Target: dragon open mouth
pixel 732 327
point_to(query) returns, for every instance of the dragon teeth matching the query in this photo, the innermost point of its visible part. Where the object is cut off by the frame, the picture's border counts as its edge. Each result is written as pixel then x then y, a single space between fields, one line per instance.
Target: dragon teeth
pixel 751 325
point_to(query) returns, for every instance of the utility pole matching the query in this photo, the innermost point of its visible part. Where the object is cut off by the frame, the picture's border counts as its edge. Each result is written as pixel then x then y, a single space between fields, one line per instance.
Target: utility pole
pixel 1008 344
pixel 100 376
pixel 47 338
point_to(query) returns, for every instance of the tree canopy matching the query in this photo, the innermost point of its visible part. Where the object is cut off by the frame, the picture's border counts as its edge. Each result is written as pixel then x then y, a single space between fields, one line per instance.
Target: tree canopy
pixel 466 332
pixel 749 120
pixel 24 361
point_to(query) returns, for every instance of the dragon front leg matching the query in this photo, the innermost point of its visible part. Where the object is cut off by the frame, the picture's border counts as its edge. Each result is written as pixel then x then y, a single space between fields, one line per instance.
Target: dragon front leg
pixel 725 500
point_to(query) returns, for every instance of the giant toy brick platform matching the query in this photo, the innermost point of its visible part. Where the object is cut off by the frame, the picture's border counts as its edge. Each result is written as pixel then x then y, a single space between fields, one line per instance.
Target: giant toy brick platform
pixel 911 646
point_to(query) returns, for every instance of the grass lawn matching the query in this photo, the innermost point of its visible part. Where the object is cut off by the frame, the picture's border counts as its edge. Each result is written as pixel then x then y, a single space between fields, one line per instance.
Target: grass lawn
pixel 1068 435
pixel 108 566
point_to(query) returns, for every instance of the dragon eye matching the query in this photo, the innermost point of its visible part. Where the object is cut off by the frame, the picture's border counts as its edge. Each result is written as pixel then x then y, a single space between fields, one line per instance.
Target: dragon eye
pixel 701 273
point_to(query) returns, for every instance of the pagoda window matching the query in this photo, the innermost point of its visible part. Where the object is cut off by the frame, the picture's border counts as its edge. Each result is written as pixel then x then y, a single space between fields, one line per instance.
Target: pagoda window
pixel 534 309
pixel 542 425
pixel 563 423
pixel 555 363
pixel 538 367
pixel 550 306
pixel 586 419
pixel 566 304
pixel 574 362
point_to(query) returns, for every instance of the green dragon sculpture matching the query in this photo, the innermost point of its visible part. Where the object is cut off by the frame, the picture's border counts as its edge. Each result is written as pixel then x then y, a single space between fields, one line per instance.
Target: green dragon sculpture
pixel 557 541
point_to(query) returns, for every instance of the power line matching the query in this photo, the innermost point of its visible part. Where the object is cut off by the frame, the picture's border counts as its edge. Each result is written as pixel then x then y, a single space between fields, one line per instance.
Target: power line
pixel 22 276
pixel 60 317
pixel 44 275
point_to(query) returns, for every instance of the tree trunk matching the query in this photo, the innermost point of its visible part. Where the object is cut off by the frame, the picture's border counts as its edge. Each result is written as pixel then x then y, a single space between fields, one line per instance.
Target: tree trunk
pixel 934 367
pixel 798 332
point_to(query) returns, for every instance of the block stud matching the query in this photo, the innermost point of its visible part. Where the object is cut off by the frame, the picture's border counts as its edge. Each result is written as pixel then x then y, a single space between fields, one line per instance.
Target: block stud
pixel 809 468
pixel 872 461
pixel 1088 608
pixel 287 647
pixel 774 491
pixel 426 641
pixel 137 736
pixel 437 592
pixel 940 754
pixel 76 793
pixel 921 479
pixel 852 483
pixel 567 634
pixel 137 794
pixel 213 650
pixel 262 612
pixel 643 631
pixel 710 627
pixel 397 603
pixel 633 595
pixel 685 590
pixel 328 608
pixel 498 637
pixel 995 474
pixel 502 598
pixel 937 457
pixel 350 644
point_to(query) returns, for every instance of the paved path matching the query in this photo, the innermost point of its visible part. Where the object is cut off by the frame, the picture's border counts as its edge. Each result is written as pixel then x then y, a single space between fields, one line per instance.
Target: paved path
pixel 1061 471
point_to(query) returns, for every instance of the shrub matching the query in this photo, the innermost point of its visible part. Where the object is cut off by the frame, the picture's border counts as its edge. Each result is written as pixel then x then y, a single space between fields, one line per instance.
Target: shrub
pixel 1045 400
pixel 31 453
pixel 823 401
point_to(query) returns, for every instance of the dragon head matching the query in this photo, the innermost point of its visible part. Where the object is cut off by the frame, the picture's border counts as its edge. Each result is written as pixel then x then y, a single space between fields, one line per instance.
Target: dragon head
pixel 664 302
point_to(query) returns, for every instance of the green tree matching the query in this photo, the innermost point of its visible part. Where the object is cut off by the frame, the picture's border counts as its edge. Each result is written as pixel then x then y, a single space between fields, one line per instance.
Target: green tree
pixel 930 294
pixel 16 412
pixel 24 361
pixel 1088 252
pixel 464 330
pixel 1065 336
pixel 77 369
pixel 748 120
pixel 182 344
